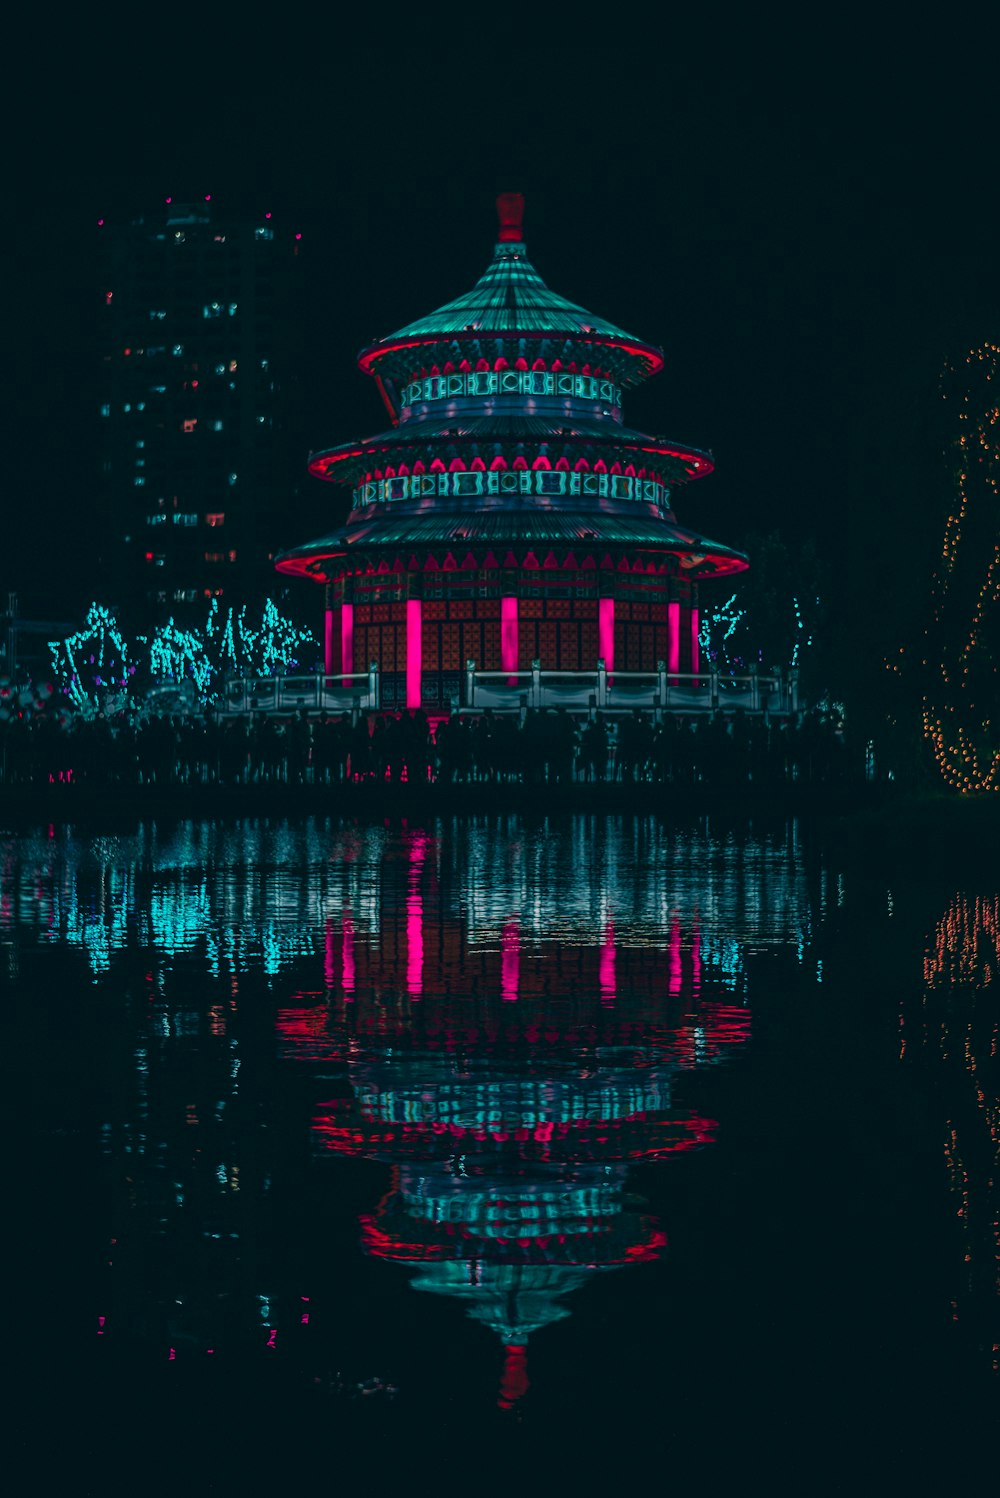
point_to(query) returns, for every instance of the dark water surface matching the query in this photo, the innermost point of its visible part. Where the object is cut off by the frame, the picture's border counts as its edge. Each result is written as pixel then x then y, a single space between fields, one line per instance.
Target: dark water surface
pixel 508 1155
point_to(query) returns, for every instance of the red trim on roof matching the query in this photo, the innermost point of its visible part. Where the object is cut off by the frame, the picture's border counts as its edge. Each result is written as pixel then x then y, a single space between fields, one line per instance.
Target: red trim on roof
pixel 647 351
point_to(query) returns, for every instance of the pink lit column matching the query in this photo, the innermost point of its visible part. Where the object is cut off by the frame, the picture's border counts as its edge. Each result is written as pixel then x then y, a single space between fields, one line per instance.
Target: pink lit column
pixel 673 638
pixel 606 632
pixel 414 625
pixel 508 634
pixel 695 652
pixel 347 638
pixel 330 623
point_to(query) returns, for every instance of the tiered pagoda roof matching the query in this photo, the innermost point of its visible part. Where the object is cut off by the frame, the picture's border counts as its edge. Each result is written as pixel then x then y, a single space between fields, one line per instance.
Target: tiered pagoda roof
pixel 511 305
pixel 507 431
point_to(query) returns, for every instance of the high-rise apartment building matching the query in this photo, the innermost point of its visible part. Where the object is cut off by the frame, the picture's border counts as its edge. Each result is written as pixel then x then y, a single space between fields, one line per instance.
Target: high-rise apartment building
pixel 198 330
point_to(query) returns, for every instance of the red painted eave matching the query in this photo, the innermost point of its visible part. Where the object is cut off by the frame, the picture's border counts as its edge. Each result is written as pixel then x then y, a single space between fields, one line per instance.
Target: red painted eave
pixel 312 565
pixel 648 352
pixel 698 464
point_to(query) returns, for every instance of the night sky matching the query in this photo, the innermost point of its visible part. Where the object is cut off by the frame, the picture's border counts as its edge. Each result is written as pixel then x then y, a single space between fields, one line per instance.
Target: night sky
pixel 798 210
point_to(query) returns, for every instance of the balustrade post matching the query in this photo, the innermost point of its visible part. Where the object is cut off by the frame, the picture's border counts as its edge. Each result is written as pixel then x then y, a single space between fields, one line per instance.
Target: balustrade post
pixel 754 688
pixel 470 683
pixel 373 684
pixel 602 683
pixel 793 689
pixel 662 689
pixel 536 683
pixel 713 689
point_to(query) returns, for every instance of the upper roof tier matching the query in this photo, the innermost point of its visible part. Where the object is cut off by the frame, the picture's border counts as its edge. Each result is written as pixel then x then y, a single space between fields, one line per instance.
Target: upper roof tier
pixel 510 304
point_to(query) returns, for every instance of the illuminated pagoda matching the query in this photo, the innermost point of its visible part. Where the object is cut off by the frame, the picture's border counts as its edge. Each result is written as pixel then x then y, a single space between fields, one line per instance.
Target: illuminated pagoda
pixel 508 515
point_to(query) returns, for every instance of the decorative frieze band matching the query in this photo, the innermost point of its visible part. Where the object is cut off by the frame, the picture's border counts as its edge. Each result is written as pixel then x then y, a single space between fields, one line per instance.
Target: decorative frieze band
pixel 474 483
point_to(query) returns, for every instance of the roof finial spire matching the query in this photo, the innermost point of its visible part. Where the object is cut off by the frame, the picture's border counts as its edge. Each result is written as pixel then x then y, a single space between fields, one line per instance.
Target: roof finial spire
pixel 514 1383
pixel 510 212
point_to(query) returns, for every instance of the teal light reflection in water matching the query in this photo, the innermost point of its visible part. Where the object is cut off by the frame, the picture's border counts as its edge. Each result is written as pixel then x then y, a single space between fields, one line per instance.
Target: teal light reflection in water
pixel 463 1094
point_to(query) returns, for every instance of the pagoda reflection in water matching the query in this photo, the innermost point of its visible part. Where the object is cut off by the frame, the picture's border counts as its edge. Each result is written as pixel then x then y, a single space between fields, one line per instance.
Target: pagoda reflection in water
pixel 502 1013
pixel 509 1087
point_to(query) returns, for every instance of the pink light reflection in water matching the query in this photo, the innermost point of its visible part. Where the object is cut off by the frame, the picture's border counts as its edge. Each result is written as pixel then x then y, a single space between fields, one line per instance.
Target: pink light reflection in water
pixel 338 955
pixel 347 958
pixel 415 918
pixel 608 983
pixel 510 962
pixel 329 972
pixel 674 959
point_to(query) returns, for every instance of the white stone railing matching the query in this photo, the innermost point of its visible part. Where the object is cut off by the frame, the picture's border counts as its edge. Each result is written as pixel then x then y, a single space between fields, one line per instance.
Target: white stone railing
pixel 656 691
pixel 621 691
pixel 335 693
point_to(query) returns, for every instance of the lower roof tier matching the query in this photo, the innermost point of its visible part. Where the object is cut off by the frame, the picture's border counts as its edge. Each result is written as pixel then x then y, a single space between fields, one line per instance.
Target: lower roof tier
pixel 505 538
pixel 507 439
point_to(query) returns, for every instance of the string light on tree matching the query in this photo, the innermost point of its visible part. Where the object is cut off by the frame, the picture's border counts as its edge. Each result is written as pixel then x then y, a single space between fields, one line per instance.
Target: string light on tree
pixel 92 661
pixel 98 659
pixel 964 636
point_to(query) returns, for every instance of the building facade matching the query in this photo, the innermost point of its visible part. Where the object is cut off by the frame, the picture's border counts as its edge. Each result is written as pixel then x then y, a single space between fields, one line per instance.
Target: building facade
pixel 508 514
pixel 195 373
